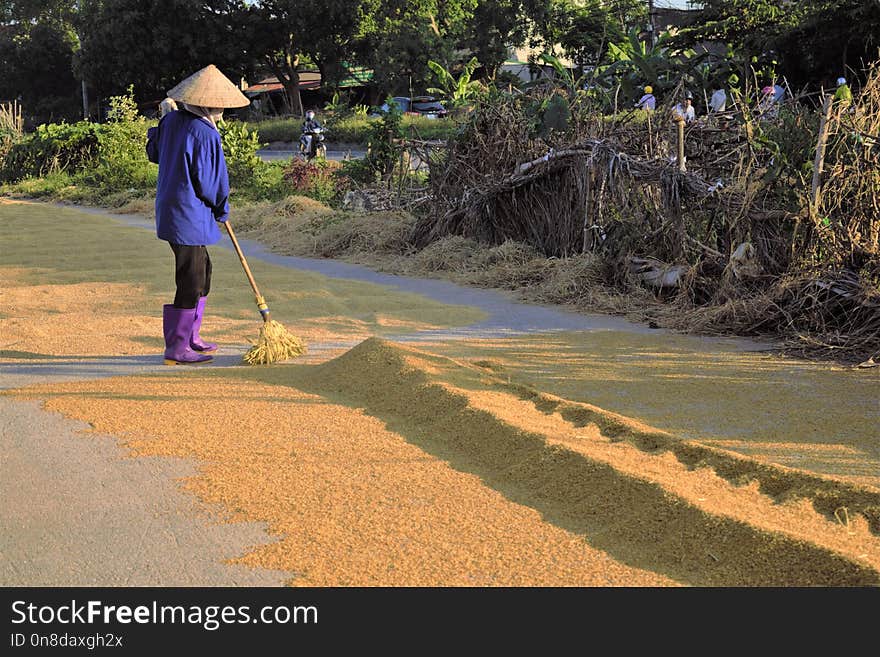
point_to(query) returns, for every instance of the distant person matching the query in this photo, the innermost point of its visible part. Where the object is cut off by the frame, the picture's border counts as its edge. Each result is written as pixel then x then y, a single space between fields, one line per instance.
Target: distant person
pixel 685 110
pixel 718 101
pixel 647 101
pixel 778 93
pixel 192 197
pixel 843 94
pixel 767 104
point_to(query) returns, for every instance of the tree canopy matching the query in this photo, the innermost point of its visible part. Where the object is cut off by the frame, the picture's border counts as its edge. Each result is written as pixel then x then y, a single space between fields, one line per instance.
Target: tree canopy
pixel 153 44
pixel 48 46
pixel 811 42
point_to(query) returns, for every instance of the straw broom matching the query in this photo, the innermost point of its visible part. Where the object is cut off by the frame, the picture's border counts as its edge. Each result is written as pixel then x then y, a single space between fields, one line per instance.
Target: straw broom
pixel 275 343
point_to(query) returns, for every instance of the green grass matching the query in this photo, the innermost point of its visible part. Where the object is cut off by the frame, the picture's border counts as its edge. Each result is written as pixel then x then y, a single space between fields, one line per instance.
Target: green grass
pixel 267 184
pixel 276 129
pixel 49 186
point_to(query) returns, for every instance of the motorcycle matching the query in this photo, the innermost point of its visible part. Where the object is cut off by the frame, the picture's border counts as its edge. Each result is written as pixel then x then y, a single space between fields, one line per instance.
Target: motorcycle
pixel 311 144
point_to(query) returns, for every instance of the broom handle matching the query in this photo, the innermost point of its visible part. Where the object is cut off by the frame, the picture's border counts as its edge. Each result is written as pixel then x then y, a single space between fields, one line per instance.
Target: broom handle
pixel 261 302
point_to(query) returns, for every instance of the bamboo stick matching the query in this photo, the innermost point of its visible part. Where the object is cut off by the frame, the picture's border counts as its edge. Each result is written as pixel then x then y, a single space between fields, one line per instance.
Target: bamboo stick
pixel 681 164
pixel 819 162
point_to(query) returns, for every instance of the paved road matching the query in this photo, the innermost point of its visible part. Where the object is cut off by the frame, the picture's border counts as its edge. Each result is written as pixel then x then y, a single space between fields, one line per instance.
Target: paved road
pixel 273 155
pixel 76 512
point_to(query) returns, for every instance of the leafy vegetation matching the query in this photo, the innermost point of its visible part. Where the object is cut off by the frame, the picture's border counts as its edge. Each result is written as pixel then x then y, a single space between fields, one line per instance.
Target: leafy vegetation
pixel 47 48
pixel 51 148
pixel 383 140
pixel 352 128
pixel 810 42
pixel 321 180
pixel 122 159
pixel 240 146
pixel 457 91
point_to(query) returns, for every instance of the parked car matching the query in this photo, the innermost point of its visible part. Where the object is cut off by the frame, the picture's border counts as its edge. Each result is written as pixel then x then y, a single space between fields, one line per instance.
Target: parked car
pixel 428 106
pixel 418 105
pixel 402 103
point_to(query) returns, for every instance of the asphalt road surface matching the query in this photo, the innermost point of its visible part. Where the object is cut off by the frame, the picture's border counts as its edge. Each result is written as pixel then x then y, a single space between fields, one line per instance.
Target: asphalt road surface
pixel 268 155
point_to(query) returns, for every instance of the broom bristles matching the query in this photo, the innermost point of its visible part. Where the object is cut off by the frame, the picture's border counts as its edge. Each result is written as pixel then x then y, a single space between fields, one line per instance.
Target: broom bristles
pixel 275 344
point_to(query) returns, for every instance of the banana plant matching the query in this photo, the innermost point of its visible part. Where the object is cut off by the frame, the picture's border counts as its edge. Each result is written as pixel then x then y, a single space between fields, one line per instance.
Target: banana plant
pixel 457 91
pixel 634 64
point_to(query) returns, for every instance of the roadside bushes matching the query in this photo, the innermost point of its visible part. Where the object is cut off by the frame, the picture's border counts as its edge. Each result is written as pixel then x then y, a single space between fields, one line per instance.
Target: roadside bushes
pixel 51 148
pixel 240 147
pixel 383 140
pixel 352 128
pixel 322 180
pixel 110 156
pixel 356 128
pixel 122 162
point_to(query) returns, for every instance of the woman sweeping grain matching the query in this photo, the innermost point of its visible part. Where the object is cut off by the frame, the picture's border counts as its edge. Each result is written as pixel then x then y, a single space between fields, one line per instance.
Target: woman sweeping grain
pixel 192 196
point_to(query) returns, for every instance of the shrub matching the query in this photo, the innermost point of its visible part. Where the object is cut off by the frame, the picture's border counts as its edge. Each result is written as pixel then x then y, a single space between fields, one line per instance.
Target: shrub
pixel 317 179
pixel 51 148
pixel 359 171
pixel 240 147
pixel 383 137
pixel 122 157
pixel 110 156
pixel 266 184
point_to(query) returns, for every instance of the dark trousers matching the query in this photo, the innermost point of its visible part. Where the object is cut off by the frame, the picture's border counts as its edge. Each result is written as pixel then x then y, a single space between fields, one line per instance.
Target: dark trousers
pixel 192 274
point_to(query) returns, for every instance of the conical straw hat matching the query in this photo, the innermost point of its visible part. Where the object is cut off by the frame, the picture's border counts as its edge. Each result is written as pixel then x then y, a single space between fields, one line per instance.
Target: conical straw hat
pixel 208 88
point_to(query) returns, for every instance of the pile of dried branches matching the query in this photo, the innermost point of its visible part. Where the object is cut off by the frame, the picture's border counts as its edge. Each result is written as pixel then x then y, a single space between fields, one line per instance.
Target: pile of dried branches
pixel 821 312
pixel 556 200
pixel 731 238
pixel 847 216
pixel 594 187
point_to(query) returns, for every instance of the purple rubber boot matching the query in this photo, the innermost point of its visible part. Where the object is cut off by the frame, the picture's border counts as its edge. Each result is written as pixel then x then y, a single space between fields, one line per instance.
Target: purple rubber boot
pixel 177 325
pixel 196 343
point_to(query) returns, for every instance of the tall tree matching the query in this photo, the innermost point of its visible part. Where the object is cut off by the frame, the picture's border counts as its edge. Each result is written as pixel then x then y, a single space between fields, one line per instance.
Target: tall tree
pixel 812 41
pixel 750 25
pixel 153 44
pixel 32 11
pixel 398 37
pixel 584 28
pixel 833 38
pixel 288 35
pixel 37 46
pixel 499 25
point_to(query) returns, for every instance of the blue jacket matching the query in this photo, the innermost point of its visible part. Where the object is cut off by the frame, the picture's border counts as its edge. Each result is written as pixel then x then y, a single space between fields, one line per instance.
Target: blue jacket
pixel 192 193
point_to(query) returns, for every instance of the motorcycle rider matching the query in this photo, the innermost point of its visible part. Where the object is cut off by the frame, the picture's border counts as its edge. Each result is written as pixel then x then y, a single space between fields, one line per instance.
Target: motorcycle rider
pixel 311 129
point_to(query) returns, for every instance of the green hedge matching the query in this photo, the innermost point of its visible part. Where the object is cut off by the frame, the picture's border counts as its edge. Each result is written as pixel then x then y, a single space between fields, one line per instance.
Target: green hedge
pixel 351 129
pixel 51 148
pixel 275 129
